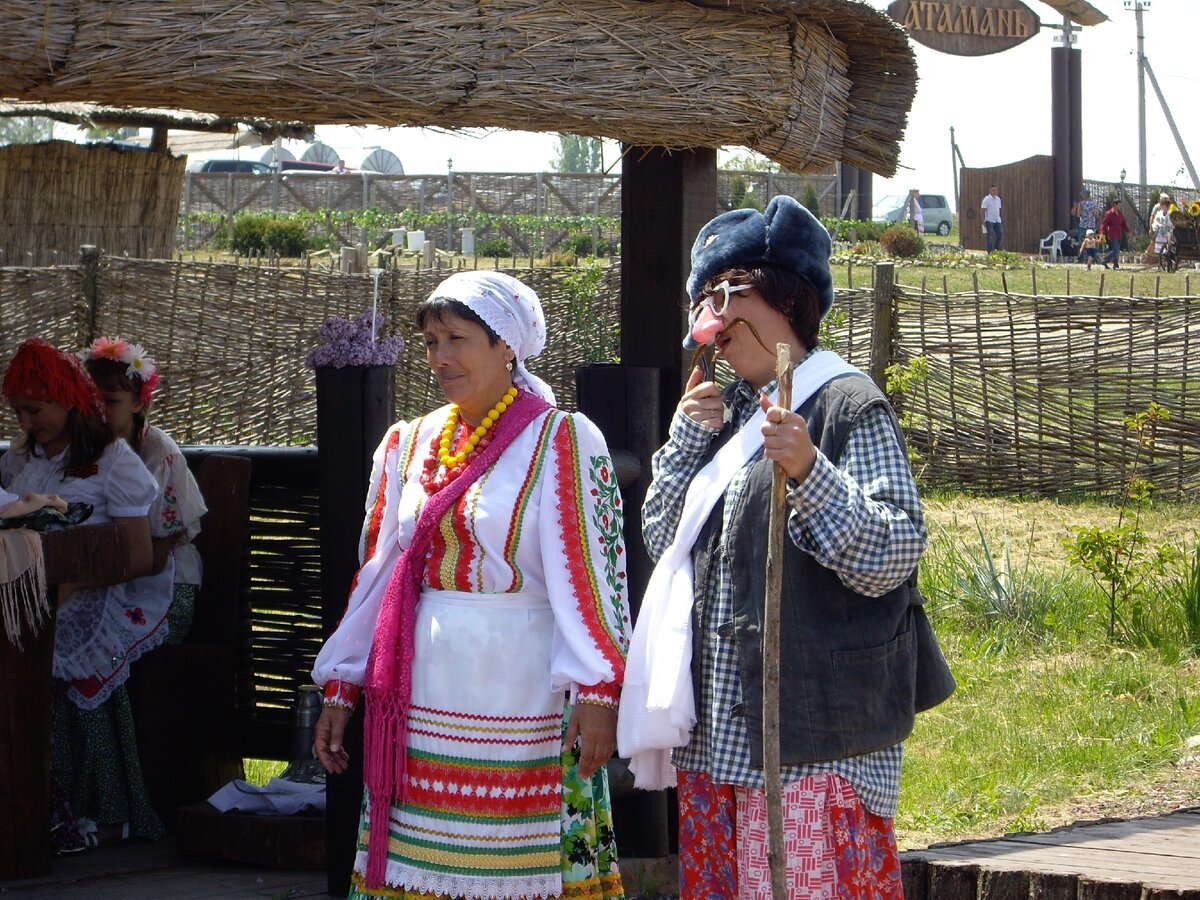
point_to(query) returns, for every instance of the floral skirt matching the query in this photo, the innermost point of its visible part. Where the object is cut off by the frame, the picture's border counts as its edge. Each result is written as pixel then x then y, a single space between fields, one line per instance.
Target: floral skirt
pixel 588 845
pixel 835 848
pixel 95 769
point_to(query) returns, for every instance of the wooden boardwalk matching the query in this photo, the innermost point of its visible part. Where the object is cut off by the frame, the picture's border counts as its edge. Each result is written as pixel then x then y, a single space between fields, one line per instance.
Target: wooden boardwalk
pixel 1151 858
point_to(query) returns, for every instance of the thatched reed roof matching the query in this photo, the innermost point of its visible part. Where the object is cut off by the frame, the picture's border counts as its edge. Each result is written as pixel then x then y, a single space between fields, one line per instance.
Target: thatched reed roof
pixel 806 82
pixel 93 115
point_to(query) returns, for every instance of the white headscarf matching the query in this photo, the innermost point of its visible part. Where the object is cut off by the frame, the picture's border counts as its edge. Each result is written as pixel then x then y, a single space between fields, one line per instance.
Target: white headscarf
pixel 511 309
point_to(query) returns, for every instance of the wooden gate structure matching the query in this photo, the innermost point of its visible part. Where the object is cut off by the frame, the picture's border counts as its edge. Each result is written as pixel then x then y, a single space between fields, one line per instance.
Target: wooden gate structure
pixel 1027 192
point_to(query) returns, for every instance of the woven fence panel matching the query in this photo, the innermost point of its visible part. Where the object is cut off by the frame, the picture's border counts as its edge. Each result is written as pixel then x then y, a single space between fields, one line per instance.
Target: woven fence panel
pixel 42 303
pixel 1030 394
pixel 59 195
pixel 283 624
pixel 231 340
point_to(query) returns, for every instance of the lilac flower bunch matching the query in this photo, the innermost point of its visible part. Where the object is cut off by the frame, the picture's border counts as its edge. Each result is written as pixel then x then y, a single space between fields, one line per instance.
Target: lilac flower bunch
pixel 347 342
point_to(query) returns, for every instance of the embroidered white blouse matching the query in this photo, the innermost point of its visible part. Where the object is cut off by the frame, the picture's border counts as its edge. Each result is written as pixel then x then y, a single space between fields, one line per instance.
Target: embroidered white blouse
pixel 100 631
pixel 177 510
pixel 545 521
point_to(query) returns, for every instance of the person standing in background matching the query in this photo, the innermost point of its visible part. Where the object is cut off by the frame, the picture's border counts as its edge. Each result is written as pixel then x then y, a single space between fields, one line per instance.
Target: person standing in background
pixel 1114 228
pixel 1085 210
pixel 913 211
pixel 989 210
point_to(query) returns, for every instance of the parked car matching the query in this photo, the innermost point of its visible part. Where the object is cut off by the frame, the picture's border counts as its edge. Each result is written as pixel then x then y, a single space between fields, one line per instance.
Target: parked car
pixel 934 210
pixel 304 165
pixel 250 166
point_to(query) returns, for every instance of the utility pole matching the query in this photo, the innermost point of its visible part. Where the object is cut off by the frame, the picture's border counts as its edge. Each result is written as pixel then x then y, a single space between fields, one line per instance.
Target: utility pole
pixel 1139 7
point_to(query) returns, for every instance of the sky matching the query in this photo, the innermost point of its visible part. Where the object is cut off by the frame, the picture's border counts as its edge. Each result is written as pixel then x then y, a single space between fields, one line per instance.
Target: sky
pixel 998 105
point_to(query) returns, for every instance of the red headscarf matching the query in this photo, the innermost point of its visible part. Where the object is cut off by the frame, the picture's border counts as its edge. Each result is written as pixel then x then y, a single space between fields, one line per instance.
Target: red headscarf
pixel 40 371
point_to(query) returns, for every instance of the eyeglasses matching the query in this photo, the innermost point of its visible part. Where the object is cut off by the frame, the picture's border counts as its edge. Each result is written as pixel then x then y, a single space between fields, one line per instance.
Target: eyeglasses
pixel 718 299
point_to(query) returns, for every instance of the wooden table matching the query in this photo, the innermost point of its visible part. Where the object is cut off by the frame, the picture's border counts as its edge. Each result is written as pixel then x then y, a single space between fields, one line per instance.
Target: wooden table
pixel 93 553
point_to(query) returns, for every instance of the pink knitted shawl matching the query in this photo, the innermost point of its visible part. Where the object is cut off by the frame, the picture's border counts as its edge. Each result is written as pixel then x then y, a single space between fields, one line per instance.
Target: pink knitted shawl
pixel 388 685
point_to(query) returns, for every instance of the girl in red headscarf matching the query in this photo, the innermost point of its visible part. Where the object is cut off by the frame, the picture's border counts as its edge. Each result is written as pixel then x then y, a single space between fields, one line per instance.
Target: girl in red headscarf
pixel 67 448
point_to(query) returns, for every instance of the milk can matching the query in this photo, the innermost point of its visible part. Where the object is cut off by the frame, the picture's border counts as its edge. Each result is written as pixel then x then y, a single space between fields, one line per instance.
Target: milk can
pixel 306 709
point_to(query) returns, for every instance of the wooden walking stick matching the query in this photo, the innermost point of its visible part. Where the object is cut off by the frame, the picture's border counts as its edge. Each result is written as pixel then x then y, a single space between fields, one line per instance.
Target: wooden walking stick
pixel 770 652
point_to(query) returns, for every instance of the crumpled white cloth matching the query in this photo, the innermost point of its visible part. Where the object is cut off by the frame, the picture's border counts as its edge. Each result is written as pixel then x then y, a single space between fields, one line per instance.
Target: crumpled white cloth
pixel 276 798
pixel 657 709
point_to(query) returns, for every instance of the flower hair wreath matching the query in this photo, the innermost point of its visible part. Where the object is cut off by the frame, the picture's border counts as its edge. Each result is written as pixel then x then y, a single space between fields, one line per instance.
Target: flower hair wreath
pixel 141 368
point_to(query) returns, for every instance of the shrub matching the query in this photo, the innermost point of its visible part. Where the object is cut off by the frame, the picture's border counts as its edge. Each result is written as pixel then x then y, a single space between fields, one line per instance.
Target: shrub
pixel 260 234
pixel 902 241
pixel 248 235
pixel 810 200
pixel 285 238
pixel 494 247
pixel 852 230
pixel 581 245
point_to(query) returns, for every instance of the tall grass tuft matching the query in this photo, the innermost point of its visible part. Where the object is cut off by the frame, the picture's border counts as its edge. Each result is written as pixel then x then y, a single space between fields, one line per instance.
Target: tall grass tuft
pixel 1003 603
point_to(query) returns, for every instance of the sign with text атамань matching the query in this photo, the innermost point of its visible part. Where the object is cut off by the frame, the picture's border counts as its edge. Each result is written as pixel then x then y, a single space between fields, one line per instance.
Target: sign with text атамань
pixel 966 27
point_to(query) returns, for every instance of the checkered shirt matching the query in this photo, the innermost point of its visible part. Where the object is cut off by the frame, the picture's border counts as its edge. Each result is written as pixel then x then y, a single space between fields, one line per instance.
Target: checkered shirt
pixel 859 515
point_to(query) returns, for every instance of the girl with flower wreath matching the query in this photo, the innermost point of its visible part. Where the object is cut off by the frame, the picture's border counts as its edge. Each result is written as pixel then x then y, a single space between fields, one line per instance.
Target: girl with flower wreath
pixel 127 377
pixel 486 627
pixel 67 448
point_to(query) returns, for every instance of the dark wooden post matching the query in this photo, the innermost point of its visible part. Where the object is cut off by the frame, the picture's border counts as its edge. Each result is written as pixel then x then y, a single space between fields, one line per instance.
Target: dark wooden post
pixel 666 196
pixel 25 753
pixel 354 409
pixel 883 323
pixel 89 268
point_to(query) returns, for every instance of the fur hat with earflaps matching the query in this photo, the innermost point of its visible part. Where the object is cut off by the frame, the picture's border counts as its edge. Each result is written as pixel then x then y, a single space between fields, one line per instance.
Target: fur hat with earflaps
pixel 786 235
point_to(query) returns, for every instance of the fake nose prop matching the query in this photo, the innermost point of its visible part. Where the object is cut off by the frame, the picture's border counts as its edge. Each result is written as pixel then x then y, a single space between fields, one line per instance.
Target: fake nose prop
pixel 704 329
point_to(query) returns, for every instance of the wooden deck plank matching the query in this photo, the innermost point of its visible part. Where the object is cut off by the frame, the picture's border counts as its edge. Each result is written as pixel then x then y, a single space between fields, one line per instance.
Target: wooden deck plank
pixel 1158 853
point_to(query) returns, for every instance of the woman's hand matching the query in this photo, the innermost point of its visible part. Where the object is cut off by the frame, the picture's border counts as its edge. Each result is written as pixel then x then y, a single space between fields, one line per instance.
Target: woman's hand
pixel 701 402
pixel 595 727
pixel 786 440
pixel 328 735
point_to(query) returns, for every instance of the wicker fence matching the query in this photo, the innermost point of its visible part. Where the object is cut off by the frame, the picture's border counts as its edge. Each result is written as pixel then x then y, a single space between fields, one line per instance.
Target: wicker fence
pixel 1024 393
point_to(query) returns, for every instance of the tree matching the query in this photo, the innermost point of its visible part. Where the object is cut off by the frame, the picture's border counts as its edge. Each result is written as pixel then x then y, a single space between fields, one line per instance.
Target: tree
pixel 578 154
pixel 25 130
pixel 104 133
pixel 747 162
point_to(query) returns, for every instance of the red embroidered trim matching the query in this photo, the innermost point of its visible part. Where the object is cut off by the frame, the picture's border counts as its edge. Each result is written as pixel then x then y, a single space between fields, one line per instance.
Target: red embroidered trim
pixel 604 693
pixel 376 519
pixel 574 534
pixel 341 694
pixel 466 546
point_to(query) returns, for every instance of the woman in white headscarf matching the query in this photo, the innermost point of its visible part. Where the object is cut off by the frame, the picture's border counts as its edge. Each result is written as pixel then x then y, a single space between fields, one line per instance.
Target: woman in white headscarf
pixel 487 626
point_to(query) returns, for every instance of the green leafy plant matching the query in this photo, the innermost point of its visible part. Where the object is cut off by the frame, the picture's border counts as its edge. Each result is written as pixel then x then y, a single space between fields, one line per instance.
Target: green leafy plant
pixel 900 240
pixel 901 380
pixel 1008 603
pixel 494 248
pixel 285 238
pixel 852 230
pixel 581 245
pixel 1121 559
pixel 582 286
pixel 810 201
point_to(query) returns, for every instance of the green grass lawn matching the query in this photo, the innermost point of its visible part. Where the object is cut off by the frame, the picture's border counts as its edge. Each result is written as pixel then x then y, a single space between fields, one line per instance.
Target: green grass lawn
pixel 1047 719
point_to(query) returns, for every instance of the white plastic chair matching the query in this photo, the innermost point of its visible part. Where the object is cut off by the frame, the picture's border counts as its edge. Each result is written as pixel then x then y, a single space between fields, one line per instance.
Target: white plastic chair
pixel 1052 244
